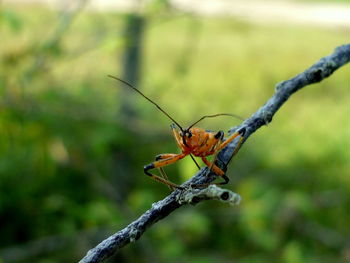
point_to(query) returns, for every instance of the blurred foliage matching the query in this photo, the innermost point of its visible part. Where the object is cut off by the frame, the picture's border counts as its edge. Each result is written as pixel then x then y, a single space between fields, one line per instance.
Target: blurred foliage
pixel 62 130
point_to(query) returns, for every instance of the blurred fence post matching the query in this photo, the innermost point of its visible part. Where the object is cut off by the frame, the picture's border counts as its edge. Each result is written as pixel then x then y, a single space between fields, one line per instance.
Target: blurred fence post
pixel 131 66
pixel 133 49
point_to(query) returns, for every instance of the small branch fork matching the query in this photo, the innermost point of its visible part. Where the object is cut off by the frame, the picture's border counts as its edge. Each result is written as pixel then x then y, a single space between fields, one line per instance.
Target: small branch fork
pixel 159 210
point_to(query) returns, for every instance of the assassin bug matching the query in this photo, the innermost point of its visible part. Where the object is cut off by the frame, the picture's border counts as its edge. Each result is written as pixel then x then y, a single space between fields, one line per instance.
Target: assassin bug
pixel 192 141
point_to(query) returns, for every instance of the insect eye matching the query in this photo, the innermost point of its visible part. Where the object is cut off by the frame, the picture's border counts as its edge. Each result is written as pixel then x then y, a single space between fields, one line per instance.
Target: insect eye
pixel 189 134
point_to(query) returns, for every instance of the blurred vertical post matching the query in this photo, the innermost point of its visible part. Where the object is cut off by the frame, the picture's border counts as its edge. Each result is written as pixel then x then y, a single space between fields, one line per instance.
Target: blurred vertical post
pixel 132 59
pixel 133 53
pixel 131 65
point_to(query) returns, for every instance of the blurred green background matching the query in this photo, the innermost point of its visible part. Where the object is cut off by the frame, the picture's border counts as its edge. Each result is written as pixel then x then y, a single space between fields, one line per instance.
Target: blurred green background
pixel 73 142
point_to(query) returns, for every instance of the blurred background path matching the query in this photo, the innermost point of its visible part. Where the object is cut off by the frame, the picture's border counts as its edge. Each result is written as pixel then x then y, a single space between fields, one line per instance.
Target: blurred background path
pixel 328 14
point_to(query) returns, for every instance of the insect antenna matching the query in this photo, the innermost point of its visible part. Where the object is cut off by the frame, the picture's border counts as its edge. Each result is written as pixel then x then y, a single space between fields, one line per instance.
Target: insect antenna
pixel 215 115
pixel 143 95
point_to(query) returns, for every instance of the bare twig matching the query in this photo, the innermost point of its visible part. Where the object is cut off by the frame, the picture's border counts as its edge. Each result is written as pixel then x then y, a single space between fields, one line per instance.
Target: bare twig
pixel 317 72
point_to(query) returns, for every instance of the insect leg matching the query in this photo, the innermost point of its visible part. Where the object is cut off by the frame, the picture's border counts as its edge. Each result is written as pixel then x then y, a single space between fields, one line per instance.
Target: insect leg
pixel 163 162
pixel 164 175
pixel 224 176
pixel 216 170
pixel 213 167
pixel 165 156
pixel 240 132
pixel 161 170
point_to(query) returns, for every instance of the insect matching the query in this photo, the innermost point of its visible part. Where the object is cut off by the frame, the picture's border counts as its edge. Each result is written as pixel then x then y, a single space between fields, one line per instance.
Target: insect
pixel 192 141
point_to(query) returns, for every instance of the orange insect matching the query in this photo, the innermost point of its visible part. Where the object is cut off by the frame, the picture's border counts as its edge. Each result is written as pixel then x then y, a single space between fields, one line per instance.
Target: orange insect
pixel 192 141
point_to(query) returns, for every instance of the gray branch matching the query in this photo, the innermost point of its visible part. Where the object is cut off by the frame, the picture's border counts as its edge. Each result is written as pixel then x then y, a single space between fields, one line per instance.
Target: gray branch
pixel 317 72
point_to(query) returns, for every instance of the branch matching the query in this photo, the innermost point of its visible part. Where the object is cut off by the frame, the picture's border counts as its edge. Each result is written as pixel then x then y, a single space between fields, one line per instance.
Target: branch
pixel 317 72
